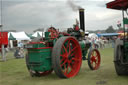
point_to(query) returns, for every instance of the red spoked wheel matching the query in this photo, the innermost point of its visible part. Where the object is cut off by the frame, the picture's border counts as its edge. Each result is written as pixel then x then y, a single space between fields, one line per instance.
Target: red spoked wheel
pixel 94 59
pixel 54 32
pixel 36 73
pixel 66 57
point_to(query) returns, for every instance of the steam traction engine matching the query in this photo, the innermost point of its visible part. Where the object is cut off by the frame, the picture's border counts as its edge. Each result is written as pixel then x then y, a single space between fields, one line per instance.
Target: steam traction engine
pixel 61 52
pixel 121 45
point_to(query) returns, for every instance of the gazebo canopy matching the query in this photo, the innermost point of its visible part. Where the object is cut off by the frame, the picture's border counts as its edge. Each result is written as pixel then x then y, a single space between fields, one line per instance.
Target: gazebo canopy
pixel 118 4
pixel 107 34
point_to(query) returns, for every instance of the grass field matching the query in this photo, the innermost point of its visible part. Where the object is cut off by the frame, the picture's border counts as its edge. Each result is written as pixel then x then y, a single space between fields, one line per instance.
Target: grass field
pixel 14 72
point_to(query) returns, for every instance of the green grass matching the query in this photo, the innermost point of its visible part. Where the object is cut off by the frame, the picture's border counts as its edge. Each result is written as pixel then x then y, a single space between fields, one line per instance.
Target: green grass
pixel 14 72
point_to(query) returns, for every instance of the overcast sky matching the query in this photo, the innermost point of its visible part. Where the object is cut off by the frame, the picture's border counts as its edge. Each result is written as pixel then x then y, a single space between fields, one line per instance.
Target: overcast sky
pixel 28 15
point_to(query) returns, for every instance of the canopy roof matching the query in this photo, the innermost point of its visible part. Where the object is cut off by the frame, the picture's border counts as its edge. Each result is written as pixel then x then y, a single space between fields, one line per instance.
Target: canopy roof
pixel 10 37
pixel 118 4
pixel 107 34
pixel 30 36
pixel 18 36
pixel 92 35
pixel 38 34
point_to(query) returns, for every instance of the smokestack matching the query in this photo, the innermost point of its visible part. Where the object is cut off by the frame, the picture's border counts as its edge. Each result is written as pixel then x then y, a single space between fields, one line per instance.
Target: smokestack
pixel 81 16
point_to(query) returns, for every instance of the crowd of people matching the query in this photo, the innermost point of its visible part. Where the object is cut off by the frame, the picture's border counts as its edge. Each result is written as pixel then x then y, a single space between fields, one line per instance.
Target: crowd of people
pixel 102 42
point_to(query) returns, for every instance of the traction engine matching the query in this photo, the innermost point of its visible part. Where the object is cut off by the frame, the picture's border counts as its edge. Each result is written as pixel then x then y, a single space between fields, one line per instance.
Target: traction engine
pixel 61 52
pixel 121 44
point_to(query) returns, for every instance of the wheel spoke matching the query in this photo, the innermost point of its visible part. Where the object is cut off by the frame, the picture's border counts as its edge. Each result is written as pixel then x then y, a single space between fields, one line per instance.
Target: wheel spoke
pixel 92 53
pixel 63 55
pixel 72 53
pixel 62 50
pixel 96 64
pixel 97 56
pixel 64 67
pixel 62 60
pixel 65 49
pixel 64 63
pixel 70 66
pixel 69 49
pixel 91 62
pixel 74 49
pixel 67 69
pixel 93 59
pixel 68 45
pixel 75 59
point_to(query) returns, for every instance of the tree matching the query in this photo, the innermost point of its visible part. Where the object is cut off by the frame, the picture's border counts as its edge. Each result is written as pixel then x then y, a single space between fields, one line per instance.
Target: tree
pixel 110 29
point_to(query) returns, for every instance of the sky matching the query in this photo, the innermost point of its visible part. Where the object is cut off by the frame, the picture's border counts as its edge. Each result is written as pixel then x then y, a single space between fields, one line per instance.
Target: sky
pixel 29 15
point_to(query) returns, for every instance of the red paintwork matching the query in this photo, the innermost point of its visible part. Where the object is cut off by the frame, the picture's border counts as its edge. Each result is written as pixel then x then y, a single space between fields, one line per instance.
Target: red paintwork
pixel 76 28
pixel 3 39
pixel 37 42
pixel 54 32
pixel 45 73
pixel 118 4
pixel 70 58
pixel 95 59
pixel 41 48
pixel 64 33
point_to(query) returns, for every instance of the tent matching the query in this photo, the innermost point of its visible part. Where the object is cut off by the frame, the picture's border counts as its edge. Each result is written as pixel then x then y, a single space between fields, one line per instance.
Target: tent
pixel 10 37
pixel 18 36
pixel 38 34
pixel 92 35
pixel 30 36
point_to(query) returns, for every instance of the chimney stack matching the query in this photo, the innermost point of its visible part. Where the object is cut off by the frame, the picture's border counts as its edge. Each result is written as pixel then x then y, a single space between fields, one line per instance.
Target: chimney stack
pixel 81 16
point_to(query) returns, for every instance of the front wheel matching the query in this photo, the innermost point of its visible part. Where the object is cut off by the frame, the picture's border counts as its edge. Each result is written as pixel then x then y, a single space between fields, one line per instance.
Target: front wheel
pixel 94 59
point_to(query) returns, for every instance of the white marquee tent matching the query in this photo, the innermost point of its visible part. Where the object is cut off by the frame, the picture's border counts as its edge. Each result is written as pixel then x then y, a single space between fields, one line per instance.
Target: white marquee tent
pixel 92 35
pixel 38 34
pixel 18 36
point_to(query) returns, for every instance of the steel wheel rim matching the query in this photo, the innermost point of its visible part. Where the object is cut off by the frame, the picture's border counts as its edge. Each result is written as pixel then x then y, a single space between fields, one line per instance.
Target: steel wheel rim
pixel 70 58
pixel 95 59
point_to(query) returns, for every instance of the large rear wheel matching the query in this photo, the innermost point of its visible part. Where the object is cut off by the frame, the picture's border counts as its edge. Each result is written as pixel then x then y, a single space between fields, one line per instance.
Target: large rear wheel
pixel 66 57
pixel 120 68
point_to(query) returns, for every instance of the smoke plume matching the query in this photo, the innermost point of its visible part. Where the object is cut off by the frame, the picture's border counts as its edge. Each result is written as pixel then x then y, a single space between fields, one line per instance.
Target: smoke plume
pixel 73 6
